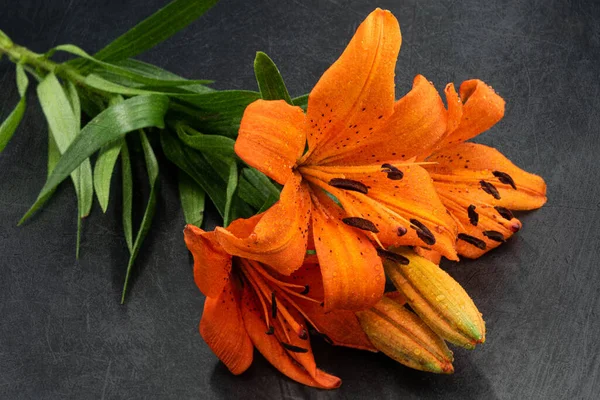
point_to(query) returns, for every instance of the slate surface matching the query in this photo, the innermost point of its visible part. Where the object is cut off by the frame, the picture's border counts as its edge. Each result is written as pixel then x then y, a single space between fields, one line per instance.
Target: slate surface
pixel 63 333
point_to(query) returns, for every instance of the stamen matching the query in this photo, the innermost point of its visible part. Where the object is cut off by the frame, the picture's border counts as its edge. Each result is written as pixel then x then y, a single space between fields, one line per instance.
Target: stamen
pixel 472 240
pixel 494 235
pixel 294 349
pixel 423 232
pixel 473 216
pixel 401 231
pixel 389 168
pixel 270 331
pixel 505 178
pixel 504 212
pixel 361 223
pixel 400 259
pixel 490 189
pixel 303 334
pixel 273 305
pixel 306 289
pixel 393 173
pixel 349 184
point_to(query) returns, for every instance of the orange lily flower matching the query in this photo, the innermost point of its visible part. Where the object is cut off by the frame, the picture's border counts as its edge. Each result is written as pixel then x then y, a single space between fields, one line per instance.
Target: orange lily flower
pixel 248 305
pixel 477 184
pixel 356 134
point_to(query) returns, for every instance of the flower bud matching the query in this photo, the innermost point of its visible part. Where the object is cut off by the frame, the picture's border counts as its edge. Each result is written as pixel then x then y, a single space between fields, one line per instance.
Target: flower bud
pixel 403 336
pixel 437 298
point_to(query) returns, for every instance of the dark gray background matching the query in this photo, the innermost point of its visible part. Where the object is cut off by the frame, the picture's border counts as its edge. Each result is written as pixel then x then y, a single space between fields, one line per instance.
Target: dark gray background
pixel 63 333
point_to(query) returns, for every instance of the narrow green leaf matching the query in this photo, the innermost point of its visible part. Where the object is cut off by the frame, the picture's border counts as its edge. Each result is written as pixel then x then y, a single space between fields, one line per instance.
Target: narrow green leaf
pixel 152 169
pixel 261 183
pixel 127 72
pixel 192 199
pixel 270 82
pixel 301 101
pixel 127 194
pixel 73 98
pixel 213 144
pixel 10 125
pixel 272 199
pixel 110 125
pixel 195 164
pixel 158 27
pixel 217 113
pixel 232 182
pixel 103 171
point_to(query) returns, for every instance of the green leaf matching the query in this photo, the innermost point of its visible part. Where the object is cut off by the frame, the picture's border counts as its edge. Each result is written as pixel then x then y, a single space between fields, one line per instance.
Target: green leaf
pixel 232 182
pixel 110 125
pixel 217 113
pixel 152 169
pixel 127 194
pixel 213 144
pixel 63 127
pixel 301 101
pixel 103 170
pixel 127 73
pixel 192 199
pixel 272 199
pixel 270 82
pixel 10 125
pixel 158 27
pixel 261 183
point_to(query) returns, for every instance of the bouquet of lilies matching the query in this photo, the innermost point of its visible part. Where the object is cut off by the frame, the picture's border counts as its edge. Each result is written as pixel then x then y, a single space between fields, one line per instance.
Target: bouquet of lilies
pixel 324 197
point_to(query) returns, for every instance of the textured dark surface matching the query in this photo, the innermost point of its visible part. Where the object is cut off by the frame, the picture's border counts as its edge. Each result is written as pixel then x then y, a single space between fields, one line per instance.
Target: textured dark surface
pixel 63 333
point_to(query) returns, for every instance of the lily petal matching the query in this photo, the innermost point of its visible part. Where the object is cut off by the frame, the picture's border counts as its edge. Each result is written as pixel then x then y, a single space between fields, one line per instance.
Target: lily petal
pixel 353 276
pixel 357 92
pixel 212 264
pixel 279 238
pixel 481 107
pixel 270 347
pixel 222 328
pixel 414 129
pixel 341 327
pixel 271 138
pixel 392 205
pixel 470 163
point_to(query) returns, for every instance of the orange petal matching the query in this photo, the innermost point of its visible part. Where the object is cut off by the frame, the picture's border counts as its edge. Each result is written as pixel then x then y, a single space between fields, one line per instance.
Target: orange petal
pixel 353 277
pixel 211 263
pixel 222 327
pixel 271 138
pixel 391 204
pixel 357 92
pixel 270 347
pixel 341 327
pixel 482 108
pixel 416 126
pixel 469 163
pixel 430 255
pixel 279 238
pixel 458 178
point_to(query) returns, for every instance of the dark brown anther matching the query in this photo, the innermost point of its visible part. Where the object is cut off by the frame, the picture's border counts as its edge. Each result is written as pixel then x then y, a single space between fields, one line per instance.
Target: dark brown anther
pixel 273 305
pixel 505 178
pixel 388 168
pixel 423 232
pixel 401 231
pixel 322 304
pixel 270 331
pixel 490 189
pixel 303 334
pixel 473 216
pixel 294 349
pixel 494 235
pixel 361 223
pixel 306 289
pixel 400 259
pixel 472 240
pixel 504 212
pixel 349 184
pixel 395 175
